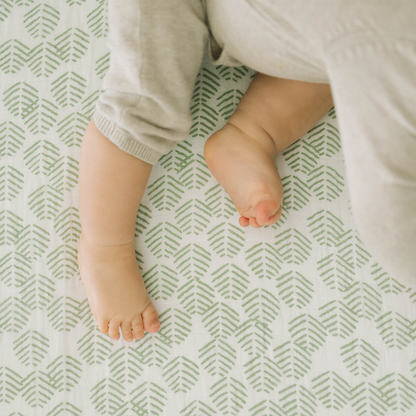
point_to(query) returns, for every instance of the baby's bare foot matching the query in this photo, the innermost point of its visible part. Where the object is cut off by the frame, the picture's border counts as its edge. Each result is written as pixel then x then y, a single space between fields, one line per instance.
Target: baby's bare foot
pixel 115 289
pixel 245 168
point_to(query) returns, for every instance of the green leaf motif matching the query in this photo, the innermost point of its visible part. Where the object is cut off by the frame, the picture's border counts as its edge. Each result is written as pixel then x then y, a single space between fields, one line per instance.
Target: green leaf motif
pixel 366 399
pixel 68 89
pixel 364 300
pixel 126 366
pixel 15 269
pixel 394 329
pixel 97 20
pixel 192 260
pixel 10 227
pixel 13 55
pixel 36 390
pixel 94 347
pixel 297 400
pixel 62 262
pixel 42 20
pixel 165 193
pixel 294 289
pixel 397 391
pixel 262 305
pixel 63 174
pixel 11 181
pixel 338 319
pixel 219 202
pixel 229 396
pixel 254 337
pixel 220 320
pixel 293 247
pixel 266 408
pixel 160 283
pixel 183 160
pixel 12 139
pixel 32 241
pixel 43 59
pixel 109 396
pixel 14 314
pixel 13 381
pixel 67 225
pixel 336 272
pixel 64 373
pixel 326 183
pixel 204 115
pixel 352 250
pixel 163 240
pixel 331 390
pixel 63 407
pixel 361 358
pixel 196 296
pixel 302 157
pixel 230 281
pixel 262 373
pixel 154 349
pixel 144 215
pixel 63 314
pixel 327 144
pixel 218 357
pixel 37 291
pixel 193 217
pixel 297 195
pixel 226 239
pixel 384 281
pixel 32 348
pixel 263 260
pixel 307 332
pixel 181 374
pixel 197 408
pixel 45 202
pixel 326 228
pixel 148 399
pixel 71 128
pixel 175 325
pixel 72 45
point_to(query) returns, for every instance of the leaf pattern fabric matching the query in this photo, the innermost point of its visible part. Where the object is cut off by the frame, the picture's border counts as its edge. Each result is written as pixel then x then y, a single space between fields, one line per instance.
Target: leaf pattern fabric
pixel 291 319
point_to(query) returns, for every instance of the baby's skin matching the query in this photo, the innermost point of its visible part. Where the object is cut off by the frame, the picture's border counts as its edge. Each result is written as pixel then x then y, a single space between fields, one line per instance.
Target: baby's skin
pixel 272 115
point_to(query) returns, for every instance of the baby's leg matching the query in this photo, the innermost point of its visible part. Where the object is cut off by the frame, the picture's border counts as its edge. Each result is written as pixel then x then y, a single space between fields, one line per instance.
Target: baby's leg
pixel 110 188
pixel 272 115
pixel 374 87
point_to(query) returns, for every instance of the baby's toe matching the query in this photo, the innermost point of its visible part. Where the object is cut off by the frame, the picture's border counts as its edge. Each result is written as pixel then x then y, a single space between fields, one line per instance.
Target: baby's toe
pixel 265 211
pixel 103 325
pixel 150 319
pixel 137 324
pixel 254 223
pixel 126 331
pixel 115 329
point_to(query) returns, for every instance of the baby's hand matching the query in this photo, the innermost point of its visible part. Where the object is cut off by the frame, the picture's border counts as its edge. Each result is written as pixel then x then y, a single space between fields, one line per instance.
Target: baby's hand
pixel 115 290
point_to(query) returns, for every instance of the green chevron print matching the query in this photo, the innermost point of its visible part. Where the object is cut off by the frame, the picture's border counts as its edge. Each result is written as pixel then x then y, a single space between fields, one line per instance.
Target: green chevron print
pixel 293 319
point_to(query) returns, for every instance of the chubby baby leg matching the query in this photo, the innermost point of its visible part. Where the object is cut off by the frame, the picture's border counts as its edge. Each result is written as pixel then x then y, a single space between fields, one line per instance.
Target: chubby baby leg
pixel 272 114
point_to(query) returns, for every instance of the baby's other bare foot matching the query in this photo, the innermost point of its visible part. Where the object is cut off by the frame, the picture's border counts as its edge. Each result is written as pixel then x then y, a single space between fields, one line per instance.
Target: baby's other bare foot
pixel 115 289
pixel 245 168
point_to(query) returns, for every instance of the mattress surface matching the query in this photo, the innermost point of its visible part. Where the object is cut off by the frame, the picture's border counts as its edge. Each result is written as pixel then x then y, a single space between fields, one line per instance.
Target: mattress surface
pixel 292 319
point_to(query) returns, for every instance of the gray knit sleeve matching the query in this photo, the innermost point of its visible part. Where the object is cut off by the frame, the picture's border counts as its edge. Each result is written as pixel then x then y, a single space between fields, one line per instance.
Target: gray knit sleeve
pixel 156 50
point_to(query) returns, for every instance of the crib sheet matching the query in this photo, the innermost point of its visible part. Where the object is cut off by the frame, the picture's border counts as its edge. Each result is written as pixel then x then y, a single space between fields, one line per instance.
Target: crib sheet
pixel 292 319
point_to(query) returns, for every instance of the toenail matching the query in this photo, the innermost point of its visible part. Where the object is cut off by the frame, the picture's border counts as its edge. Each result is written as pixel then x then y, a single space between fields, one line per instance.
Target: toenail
pixel 155 324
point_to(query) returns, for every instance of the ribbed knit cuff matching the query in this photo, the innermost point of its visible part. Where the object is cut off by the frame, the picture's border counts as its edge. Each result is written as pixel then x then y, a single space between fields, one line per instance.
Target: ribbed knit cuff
pixel 123 141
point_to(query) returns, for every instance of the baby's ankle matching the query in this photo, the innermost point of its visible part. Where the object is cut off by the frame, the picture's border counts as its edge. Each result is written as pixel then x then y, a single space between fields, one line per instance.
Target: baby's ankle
pixel 252 128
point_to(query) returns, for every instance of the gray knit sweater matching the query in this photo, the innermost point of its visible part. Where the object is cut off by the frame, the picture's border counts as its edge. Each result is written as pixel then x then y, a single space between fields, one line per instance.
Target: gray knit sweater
pixel 156 50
